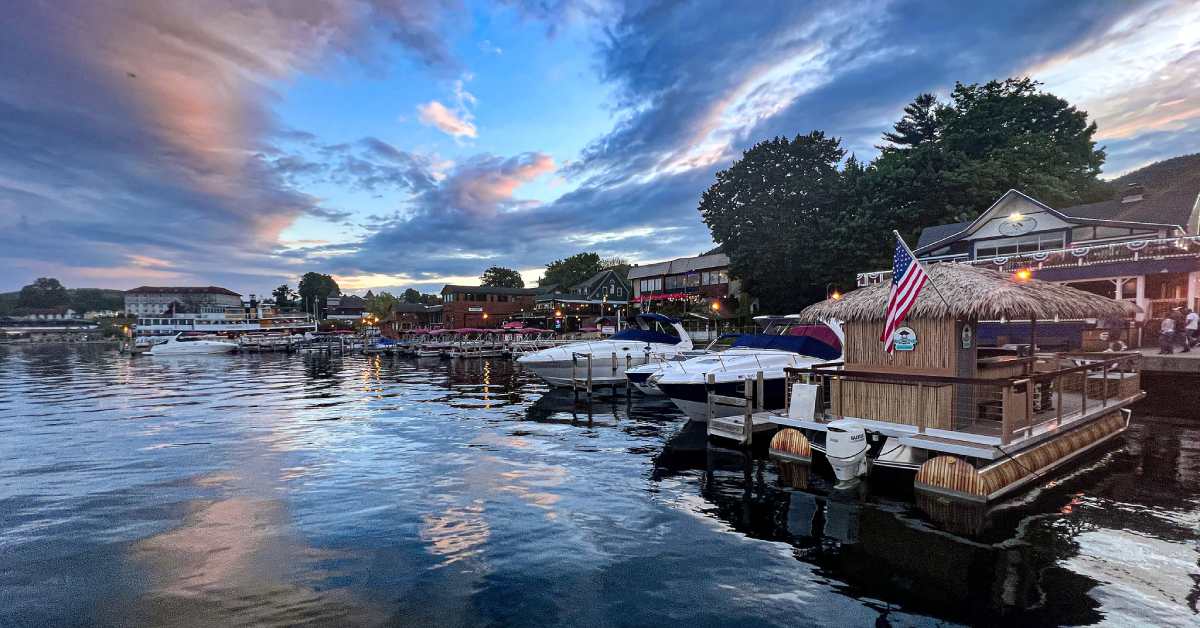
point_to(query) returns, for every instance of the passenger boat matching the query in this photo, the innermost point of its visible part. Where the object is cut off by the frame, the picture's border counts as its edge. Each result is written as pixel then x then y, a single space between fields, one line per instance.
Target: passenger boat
pixel 653 334
pixel 785 343
pixel 972 428
pixel 180 344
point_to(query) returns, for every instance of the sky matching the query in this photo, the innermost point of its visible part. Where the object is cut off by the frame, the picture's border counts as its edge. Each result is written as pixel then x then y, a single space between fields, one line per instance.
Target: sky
pixel 412 143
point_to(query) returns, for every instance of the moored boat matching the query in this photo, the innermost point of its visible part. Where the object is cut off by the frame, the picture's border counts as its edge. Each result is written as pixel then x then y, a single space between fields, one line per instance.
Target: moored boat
pixel 651 335
pixel 180 344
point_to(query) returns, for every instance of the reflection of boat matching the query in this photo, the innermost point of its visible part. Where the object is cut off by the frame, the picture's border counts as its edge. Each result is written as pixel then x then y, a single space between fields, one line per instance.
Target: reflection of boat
pixel 785 343
pixel 879 547
pixel 181 345
pixel 654 334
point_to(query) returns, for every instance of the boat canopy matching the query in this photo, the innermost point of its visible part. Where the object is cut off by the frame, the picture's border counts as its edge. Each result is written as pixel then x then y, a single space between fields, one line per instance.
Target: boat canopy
pixel 645 335
pixel 662 318
pixel 817 341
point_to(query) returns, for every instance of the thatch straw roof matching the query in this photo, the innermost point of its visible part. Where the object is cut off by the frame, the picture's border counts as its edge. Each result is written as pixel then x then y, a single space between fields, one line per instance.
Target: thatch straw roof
pixel 973 293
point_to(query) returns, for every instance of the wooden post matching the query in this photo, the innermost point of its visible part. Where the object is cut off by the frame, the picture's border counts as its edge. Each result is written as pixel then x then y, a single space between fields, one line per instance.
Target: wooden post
pixel 759 392
pixel 708 393
pixel 1085 395
pixel 1006 402
pixel 1104 402
pixel 748 420
pixel 589 377
pixel 1030 386
pixel 1058 404
pixel 921 415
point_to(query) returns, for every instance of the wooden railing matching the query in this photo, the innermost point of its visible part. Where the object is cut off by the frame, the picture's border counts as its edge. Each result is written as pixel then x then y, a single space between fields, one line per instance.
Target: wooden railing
pixel 1056 388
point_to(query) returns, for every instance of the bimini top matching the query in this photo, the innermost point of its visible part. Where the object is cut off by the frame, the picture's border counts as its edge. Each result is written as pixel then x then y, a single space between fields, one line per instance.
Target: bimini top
pixel 972 293
pixel 817 341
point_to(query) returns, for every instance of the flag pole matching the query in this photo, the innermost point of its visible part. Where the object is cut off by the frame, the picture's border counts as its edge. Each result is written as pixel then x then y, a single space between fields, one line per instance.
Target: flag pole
pixel 917 261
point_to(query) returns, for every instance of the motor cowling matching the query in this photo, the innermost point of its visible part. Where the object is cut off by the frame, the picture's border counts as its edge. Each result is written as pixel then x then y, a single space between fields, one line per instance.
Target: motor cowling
pixel 846 448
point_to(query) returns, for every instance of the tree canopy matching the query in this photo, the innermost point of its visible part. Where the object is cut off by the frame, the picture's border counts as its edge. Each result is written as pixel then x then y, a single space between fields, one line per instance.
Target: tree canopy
pixel 42 293
pixel 381 304
pixel 411 296
pixel 283 295
pixel 773 211
pixel 793 222
pixel 500 277
pixel 314 288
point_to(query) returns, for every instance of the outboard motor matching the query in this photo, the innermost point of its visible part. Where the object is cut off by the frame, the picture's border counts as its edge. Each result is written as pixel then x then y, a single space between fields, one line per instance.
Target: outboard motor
pixel 846 448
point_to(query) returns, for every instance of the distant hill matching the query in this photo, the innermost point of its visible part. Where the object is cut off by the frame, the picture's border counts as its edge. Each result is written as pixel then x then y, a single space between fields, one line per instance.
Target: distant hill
pixel 82 300
pixel 1163 175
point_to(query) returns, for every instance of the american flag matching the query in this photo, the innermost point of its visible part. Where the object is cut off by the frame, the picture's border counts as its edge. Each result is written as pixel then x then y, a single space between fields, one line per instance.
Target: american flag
pixel 908 277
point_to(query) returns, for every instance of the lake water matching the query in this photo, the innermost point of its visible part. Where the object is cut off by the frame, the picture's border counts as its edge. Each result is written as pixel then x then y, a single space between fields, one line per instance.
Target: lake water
pixel 275 490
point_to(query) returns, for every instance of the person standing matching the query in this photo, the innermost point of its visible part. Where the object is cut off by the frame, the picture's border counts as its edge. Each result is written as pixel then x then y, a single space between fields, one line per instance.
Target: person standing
pixel 1192 327
pixel 1181 337
pixel 1166 336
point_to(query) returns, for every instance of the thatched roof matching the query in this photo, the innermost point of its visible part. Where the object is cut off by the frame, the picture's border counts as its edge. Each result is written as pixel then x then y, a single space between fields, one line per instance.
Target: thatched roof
pixel 973 293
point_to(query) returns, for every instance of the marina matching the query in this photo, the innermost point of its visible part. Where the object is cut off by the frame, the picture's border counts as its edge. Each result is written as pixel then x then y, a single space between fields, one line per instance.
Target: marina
pixel 202 490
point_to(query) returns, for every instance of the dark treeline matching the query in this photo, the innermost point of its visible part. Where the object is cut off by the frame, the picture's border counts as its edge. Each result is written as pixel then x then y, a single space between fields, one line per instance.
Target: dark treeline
pixel 797 216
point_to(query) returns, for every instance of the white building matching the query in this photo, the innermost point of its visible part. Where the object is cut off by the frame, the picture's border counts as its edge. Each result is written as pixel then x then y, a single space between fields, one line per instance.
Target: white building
pixel 153 300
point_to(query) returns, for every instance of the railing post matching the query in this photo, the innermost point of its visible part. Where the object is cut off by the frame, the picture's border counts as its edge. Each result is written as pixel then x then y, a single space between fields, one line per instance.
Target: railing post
pixel 759 403
pixel 1029 388
pixel 1104 402
pixel 1085 373
pixel 1006 401
pixel 1058 404
pixel 921 415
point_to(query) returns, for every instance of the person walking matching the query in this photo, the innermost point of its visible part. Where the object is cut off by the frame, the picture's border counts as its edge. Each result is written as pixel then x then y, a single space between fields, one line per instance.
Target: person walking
pixel 1166 336
pixel 1181 337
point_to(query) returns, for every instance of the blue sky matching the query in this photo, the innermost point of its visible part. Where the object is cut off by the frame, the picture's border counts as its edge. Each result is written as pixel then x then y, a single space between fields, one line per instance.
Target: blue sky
pixel 410 143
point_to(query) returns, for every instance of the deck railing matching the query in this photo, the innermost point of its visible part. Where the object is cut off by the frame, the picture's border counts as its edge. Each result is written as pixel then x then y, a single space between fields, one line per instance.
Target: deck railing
pixel 1053 390
pixel 1082 255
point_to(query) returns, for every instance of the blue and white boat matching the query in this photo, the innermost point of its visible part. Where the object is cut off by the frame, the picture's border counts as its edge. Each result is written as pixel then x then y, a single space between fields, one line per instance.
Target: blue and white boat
pixel 651 337
pixel 787 345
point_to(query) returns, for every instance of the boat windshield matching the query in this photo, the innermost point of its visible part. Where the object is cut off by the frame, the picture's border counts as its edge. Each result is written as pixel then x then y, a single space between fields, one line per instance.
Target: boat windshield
pixel 817 341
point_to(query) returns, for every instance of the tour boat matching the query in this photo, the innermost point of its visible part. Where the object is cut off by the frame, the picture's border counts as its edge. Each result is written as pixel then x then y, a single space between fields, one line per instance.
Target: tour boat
pixel 654 334
pixel 784 344
pixel 180 345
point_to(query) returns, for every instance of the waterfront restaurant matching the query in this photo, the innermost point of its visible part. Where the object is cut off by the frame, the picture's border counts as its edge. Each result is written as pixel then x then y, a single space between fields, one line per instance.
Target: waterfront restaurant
pixel 409 316
pixel 604 294
pixel 482 306
pixel 701 280
pixel 1141 247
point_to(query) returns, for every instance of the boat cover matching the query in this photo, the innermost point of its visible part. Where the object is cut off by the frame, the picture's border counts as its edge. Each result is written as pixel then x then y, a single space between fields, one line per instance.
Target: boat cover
pixel 817 341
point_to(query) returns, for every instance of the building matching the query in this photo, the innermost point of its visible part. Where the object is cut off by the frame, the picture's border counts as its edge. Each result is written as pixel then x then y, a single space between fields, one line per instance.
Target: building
pixel 345 308
pixel 154 300
pixel 1141 246
pixel 701 279
pixel 569 309
pixel 481 306
pixel 61 313
pixel 409 316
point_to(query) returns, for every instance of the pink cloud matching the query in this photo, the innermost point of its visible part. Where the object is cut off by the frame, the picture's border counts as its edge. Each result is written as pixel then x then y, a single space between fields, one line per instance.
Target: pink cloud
pixel 435 114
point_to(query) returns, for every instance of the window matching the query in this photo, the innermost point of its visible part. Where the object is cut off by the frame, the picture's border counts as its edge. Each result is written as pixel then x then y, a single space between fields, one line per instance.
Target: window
pixel 1023 244
pixel 693 280
pixel 674 282
pixel 652 285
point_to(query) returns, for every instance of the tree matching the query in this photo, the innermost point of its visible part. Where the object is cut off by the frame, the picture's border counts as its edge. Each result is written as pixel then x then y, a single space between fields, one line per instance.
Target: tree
pixel 96 300
pixel 773 211
pixel 314 289
pixel 571 270
pixel 411 296
pixel 431 299
pixel 618 264
pixel 381 304
pixel 500 277
pixel 42 293
pixel 283 295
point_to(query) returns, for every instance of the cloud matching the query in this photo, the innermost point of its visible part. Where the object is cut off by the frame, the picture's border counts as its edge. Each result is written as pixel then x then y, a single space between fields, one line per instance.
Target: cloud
pixel 146 128
pixel 435 114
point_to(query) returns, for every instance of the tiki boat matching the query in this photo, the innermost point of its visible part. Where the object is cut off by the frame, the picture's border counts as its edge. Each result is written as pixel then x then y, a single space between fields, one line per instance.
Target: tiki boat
pixel 973 425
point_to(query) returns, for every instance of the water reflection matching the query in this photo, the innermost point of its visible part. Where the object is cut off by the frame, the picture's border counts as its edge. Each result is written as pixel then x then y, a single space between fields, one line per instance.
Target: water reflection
pixel 354 490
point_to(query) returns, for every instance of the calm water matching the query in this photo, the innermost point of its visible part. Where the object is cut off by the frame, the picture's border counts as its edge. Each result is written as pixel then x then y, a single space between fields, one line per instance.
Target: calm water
pixel 247 490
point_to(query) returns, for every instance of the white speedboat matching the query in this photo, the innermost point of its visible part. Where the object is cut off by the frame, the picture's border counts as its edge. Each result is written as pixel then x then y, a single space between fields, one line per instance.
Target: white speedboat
pixel 181 345
pixel 654 336
pixel 792 345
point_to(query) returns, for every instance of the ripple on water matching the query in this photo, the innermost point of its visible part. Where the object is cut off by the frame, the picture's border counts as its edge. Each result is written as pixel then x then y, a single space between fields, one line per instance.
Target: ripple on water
pixel 283 490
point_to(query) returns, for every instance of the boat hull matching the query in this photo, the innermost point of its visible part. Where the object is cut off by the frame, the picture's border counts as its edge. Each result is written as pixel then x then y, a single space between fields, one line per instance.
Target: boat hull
pixel 692 398
pixel 561 372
